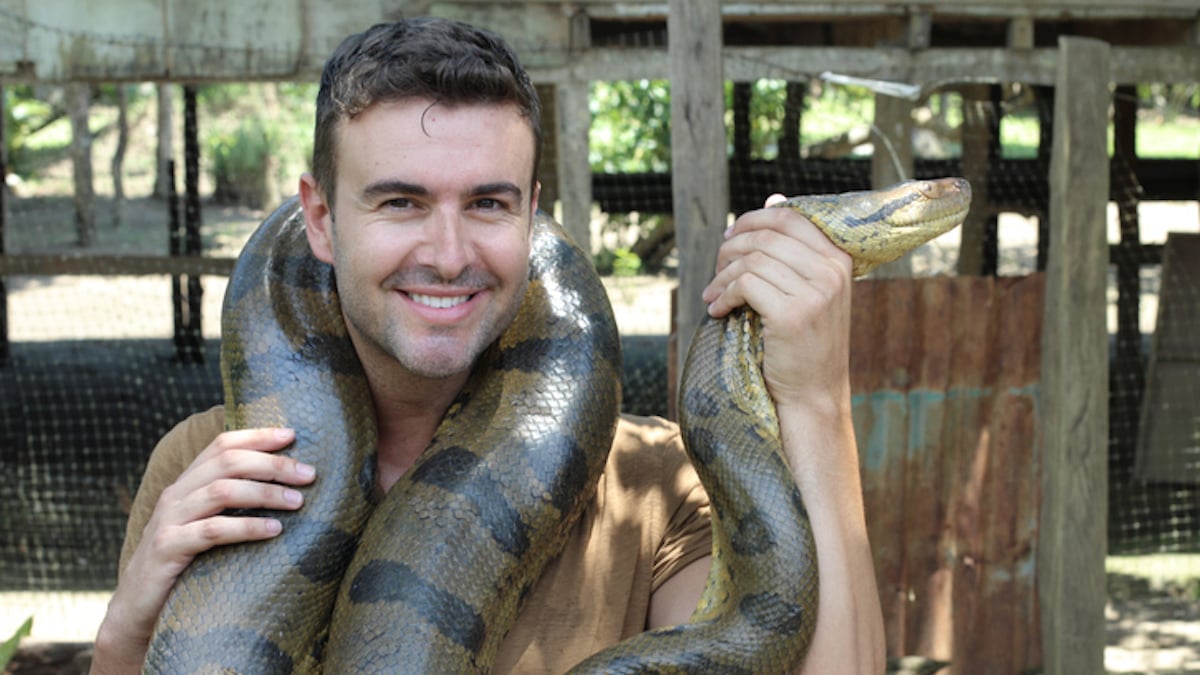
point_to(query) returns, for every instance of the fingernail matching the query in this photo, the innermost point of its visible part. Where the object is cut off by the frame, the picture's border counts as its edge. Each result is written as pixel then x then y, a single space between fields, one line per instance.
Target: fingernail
pixel 305 470
pixel 274 527
pixel 283 433
pixel 293 497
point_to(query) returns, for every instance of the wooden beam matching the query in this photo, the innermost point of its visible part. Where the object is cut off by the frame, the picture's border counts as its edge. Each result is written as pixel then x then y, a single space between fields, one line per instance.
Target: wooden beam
pixel 700 180
pixel 926 67
pixel 113 265
pixel 1072 539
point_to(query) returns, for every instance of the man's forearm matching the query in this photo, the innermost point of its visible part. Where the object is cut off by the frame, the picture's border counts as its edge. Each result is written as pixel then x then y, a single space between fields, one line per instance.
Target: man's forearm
pixel 821 448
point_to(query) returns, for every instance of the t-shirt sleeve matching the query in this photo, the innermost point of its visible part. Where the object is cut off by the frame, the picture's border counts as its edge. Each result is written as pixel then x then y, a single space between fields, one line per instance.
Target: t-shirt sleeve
pixel 688 537
pixel 170 458
pixel 686 533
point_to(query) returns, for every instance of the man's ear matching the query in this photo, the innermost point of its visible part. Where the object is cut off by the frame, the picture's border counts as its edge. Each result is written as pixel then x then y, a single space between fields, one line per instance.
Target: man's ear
pixel 318 219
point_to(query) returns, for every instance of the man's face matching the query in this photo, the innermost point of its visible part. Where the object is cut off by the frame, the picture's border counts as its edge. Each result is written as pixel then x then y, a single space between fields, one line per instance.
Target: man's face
pixel 431 231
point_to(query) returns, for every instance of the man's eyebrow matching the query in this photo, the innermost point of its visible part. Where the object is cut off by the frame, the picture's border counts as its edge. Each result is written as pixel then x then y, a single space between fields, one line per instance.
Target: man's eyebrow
pixel 499 187
pixel 392 187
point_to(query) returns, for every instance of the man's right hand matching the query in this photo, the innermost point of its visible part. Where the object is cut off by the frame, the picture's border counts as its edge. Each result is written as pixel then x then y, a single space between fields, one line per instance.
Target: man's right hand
pixel 238 470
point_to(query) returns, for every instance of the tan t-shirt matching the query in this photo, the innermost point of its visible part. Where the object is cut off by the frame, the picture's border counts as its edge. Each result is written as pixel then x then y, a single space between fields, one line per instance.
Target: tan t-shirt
pixel 648 520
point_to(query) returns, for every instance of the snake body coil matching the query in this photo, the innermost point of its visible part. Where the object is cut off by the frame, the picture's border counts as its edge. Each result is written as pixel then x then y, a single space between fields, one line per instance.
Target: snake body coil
pixel 456 543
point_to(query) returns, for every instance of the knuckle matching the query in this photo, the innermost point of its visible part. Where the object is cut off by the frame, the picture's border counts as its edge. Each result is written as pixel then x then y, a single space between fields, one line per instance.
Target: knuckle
pixel 228 461
pixel 283 465
pixel 160 540
pixel 210 530
pixel 170 494
pixel 221 492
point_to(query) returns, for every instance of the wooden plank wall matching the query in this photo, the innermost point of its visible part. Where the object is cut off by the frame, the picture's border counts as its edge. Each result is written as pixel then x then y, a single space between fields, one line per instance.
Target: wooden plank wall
pixel 945 373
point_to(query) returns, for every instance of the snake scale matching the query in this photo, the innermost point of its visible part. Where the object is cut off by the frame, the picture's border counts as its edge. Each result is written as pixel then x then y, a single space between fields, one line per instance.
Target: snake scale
pixel 428 578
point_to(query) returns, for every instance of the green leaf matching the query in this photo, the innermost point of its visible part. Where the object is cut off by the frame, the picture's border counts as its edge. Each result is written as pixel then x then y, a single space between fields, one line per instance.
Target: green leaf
pixel 9 648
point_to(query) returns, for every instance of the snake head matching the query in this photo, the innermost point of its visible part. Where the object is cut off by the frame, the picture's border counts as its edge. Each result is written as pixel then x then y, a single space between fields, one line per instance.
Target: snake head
pixel 879 226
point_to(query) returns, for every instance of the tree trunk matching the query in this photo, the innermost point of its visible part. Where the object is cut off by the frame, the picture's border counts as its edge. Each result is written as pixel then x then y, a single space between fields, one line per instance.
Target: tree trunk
pixel 78 102
pixel 162 173
pixel 118 159
pixel 272 189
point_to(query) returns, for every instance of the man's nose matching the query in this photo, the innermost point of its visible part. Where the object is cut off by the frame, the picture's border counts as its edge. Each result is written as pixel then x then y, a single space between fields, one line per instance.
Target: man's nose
pixel 446 245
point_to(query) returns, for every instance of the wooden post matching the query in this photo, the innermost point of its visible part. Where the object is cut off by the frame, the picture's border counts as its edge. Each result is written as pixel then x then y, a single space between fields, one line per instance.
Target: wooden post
pixel 892 161
pixel 574 170
pixel 3 225
pixel 793 110
pixel 547 169
pixel 699 167
pixel 976 141
pixel 1072 540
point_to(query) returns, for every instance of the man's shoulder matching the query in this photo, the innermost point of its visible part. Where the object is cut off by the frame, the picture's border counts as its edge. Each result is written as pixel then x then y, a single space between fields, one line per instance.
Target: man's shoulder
pixel 638 432
pixel 190 436
pixel 646 448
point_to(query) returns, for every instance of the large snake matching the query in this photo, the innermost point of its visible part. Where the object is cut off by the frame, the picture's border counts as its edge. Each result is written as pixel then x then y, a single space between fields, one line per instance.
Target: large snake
pixel 451 550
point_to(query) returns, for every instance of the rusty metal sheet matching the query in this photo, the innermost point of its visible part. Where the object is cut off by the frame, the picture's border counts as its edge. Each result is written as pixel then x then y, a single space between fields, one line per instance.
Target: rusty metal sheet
pixel 945 377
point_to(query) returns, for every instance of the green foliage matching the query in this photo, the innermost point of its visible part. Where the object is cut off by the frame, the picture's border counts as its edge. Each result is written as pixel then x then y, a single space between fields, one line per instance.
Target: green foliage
pixel 767 101
pixel 240 162
pixel 621 262
pixel 222 98
pixel 9 647
pixel 24 115
pixel 251 150
pixel 631 126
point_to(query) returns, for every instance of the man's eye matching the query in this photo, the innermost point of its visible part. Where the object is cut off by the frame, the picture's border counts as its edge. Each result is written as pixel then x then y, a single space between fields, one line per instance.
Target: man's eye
pixel 398 203
pixel 488 204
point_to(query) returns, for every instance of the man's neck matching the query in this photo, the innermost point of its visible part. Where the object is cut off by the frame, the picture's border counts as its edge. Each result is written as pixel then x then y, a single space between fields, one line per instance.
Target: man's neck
pixel 407 413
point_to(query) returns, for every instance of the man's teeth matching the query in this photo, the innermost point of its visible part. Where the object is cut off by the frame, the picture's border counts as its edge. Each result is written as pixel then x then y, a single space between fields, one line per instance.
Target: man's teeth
pixel 438 301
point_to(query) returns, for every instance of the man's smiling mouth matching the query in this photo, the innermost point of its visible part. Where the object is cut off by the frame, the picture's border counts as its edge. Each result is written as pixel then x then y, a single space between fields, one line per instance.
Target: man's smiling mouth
pixel 439 301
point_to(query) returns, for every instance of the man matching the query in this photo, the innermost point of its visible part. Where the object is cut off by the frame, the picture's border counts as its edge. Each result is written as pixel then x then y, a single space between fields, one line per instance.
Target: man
pixel 422 197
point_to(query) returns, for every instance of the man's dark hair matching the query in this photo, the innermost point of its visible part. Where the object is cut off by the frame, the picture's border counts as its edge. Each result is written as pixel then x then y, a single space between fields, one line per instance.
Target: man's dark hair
pixel 445 61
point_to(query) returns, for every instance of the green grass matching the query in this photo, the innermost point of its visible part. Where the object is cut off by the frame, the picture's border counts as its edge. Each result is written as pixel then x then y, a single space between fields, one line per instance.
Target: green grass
pixel 1178 138
pixel 1159 569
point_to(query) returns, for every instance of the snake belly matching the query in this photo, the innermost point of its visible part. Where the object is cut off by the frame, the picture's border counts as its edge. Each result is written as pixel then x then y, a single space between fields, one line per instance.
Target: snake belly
pixel 759 607
pixel 507 475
